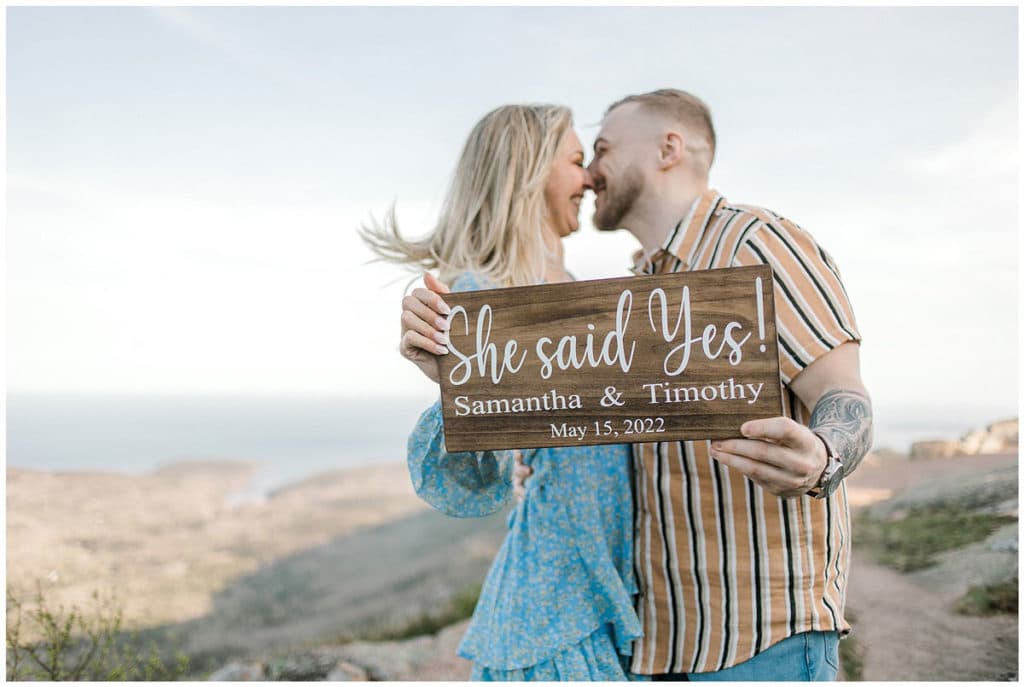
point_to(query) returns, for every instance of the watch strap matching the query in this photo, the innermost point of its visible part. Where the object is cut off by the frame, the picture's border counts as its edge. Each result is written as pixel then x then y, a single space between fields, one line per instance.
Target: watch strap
pixel 831 476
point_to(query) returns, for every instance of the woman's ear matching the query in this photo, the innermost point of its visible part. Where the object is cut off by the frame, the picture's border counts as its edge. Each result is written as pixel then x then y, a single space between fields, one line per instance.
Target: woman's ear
pixel 670 152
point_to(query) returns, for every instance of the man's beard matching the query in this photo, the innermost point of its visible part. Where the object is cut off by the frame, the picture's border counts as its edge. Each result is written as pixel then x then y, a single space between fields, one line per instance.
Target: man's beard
pixel 618 200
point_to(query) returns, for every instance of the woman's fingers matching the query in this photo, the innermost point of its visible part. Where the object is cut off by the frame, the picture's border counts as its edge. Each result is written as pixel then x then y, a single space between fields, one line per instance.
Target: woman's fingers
pixel 420 315
pixel 415 345
pixel 412 323
pixel 520 473
pixel 435 284
pixel 429 306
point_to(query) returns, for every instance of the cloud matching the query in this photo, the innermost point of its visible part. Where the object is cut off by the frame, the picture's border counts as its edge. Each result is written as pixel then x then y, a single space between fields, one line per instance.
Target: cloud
pixel 928 251
pixel 987 154
pixel 165 293
pixel 189 23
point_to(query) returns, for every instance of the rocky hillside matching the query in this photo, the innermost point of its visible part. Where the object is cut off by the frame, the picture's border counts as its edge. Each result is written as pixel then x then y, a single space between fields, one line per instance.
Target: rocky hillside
pixel 913 601
pixel 999 437
pixel 427 658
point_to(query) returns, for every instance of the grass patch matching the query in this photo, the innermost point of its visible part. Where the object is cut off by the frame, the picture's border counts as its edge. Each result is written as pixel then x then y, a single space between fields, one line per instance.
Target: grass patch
pixel 989 599
pixel 56 643
pixel 851 660
pixel 851 654
pixel 459 608
pixel 911 541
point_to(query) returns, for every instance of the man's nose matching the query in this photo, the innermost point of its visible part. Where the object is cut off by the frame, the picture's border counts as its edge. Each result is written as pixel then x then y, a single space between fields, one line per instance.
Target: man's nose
pixel 588 178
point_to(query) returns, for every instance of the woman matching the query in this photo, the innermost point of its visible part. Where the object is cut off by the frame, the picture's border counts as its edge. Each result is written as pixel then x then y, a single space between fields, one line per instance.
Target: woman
pixel 557 603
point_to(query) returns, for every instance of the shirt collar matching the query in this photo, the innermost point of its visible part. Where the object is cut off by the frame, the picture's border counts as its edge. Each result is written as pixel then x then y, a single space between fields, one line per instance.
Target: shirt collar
pixel 680 241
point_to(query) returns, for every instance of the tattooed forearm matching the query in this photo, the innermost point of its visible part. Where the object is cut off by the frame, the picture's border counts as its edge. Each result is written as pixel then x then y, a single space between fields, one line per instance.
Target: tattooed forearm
pixel 844 419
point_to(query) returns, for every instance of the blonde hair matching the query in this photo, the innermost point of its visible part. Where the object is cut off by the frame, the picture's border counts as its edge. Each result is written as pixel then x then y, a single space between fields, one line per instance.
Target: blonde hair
pixel 492 217
pixel 683 107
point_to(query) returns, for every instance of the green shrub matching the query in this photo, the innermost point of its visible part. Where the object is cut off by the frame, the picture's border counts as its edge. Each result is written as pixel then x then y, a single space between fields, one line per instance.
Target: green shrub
pixel 989 599
pixel 851 654
pixel 459 608
pixel 69 644
pixel 911 542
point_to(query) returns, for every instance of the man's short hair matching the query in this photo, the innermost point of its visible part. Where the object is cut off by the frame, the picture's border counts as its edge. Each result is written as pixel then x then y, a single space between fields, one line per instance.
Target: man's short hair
pixel 684 107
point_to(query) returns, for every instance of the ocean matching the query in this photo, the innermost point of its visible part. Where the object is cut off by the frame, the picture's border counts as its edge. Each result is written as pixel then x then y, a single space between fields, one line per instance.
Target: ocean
pixel 292 437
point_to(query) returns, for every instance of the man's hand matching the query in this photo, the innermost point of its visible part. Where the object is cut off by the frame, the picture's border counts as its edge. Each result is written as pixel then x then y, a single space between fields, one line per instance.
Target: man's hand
pixel 425 326
pixel 779 454
pixel 787 458
pixel 520 472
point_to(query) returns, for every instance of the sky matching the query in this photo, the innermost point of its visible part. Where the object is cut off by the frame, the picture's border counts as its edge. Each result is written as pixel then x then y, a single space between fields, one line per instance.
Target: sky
pixel 184 184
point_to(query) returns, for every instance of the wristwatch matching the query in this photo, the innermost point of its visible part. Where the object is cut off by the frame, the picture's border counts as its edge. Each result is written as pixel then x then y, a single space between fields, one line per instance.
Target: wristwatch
pixel 831 477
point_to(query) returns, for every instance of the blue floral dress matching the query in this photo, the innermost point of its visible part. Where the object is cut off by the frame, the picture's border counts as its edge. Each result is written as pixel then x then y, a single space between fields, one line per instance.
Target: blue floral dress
pixel 557 603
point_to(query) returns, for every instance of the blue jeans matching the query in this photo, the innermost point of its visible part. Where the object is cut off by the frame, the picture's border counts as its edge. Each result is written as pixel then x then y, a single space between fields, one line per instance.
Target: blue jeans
pixel 806 657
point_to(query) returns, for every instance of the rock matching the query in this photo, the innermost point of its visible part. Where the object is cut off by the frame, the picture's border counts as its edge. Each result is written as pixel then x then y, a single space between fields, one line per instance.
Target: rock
pixel 391 660
pixel 999 437
pixel 301 667
pixel 427 657
pixel 239 672
pixel 343 671
pixel 1004 540
pixel 883 456
pixel 933 449
pixel 988 492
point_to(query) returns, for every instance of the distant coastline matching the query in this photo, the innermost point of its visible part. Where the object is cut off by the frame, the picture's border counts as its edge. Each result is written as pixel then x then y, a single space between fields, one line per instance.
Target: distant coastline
pixel 289 438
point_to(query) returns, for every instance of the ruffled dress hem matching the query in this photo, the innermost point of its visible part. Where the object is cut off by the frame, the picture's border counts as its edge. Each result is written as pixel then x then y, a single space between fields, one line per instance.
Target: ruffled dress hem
pixel 592 659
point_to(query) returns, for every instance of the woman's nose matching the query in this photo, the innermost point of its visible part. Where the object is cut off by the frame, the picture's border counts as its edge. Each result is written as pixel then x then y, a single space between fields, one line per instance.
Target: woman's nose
pixel 588 179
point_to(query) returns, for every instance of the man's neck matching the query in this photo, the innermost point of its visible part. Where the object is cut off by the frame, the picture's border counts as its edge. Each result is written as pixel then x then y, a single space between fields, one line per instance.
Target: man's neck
pixel 656 218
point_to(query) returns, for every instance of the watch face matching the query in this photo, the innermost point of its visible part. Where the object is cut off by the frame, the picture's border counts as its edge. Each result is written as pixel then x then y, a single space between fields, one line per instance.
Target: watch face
pixel 830 480
pixel 833 466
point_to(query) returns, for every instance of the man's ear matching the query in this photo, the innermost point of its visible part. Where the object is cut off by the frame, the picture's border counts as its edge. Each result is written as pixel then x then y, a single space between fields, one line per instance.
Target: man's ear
pixel 670 152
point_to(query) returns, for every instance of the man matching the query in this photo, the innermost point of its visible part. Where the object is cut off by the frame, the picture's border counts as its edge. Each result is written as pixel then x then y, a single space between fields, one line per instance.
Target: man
pixel 742 547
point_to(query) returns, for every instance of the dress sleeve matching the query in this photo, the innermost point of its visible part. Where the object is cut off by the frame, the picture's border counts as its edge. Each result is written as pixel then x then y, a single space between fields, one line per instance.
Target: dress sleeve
pixel 464 485
pixel 812 310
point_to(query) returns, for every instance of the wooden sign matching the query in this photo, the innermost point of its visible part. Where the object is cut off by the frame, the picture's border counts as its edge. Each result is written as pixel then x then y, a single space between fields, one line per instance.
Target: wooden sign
pixel 689 355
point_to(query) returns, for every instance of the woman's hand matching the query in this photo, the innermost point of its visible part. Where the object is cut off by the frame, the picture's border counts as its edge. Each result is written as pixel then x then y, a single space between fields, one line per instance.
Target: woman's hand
pixel 425 327
pixel 520 473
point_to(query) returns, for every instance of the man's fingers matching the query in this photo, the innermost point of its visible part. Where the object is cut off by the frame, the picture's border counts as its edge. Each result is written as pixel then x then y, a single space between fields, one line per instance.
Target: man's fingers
pixel 435 284
pixel 415 345
pixel 781 430
pixel 762 451
pixel 768 476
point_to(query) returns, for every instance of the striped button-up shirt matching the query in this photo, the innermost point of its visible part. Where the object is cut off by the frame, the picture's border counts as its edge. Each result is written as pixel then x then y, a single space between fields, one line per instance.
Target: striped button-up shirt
pixel 726 569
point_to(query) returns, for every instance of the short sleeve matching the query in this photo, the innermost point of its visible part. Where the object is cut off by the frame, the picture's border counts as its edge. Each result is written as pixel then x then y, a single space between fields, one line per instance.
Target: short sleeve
pixel 464 485
pixel 812 310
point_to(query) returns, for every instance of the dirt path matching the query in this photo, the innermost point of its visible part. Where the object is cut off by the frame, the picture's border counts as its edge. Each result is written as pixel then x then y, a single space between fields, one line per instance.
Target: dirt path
pixel 908 632
pixel 906 627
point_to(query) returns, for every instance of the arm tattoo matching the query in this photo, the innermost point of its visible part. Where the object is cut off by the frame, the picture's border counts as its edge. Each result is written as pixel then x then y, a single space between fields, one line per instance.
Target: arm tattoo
pixel 844 419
